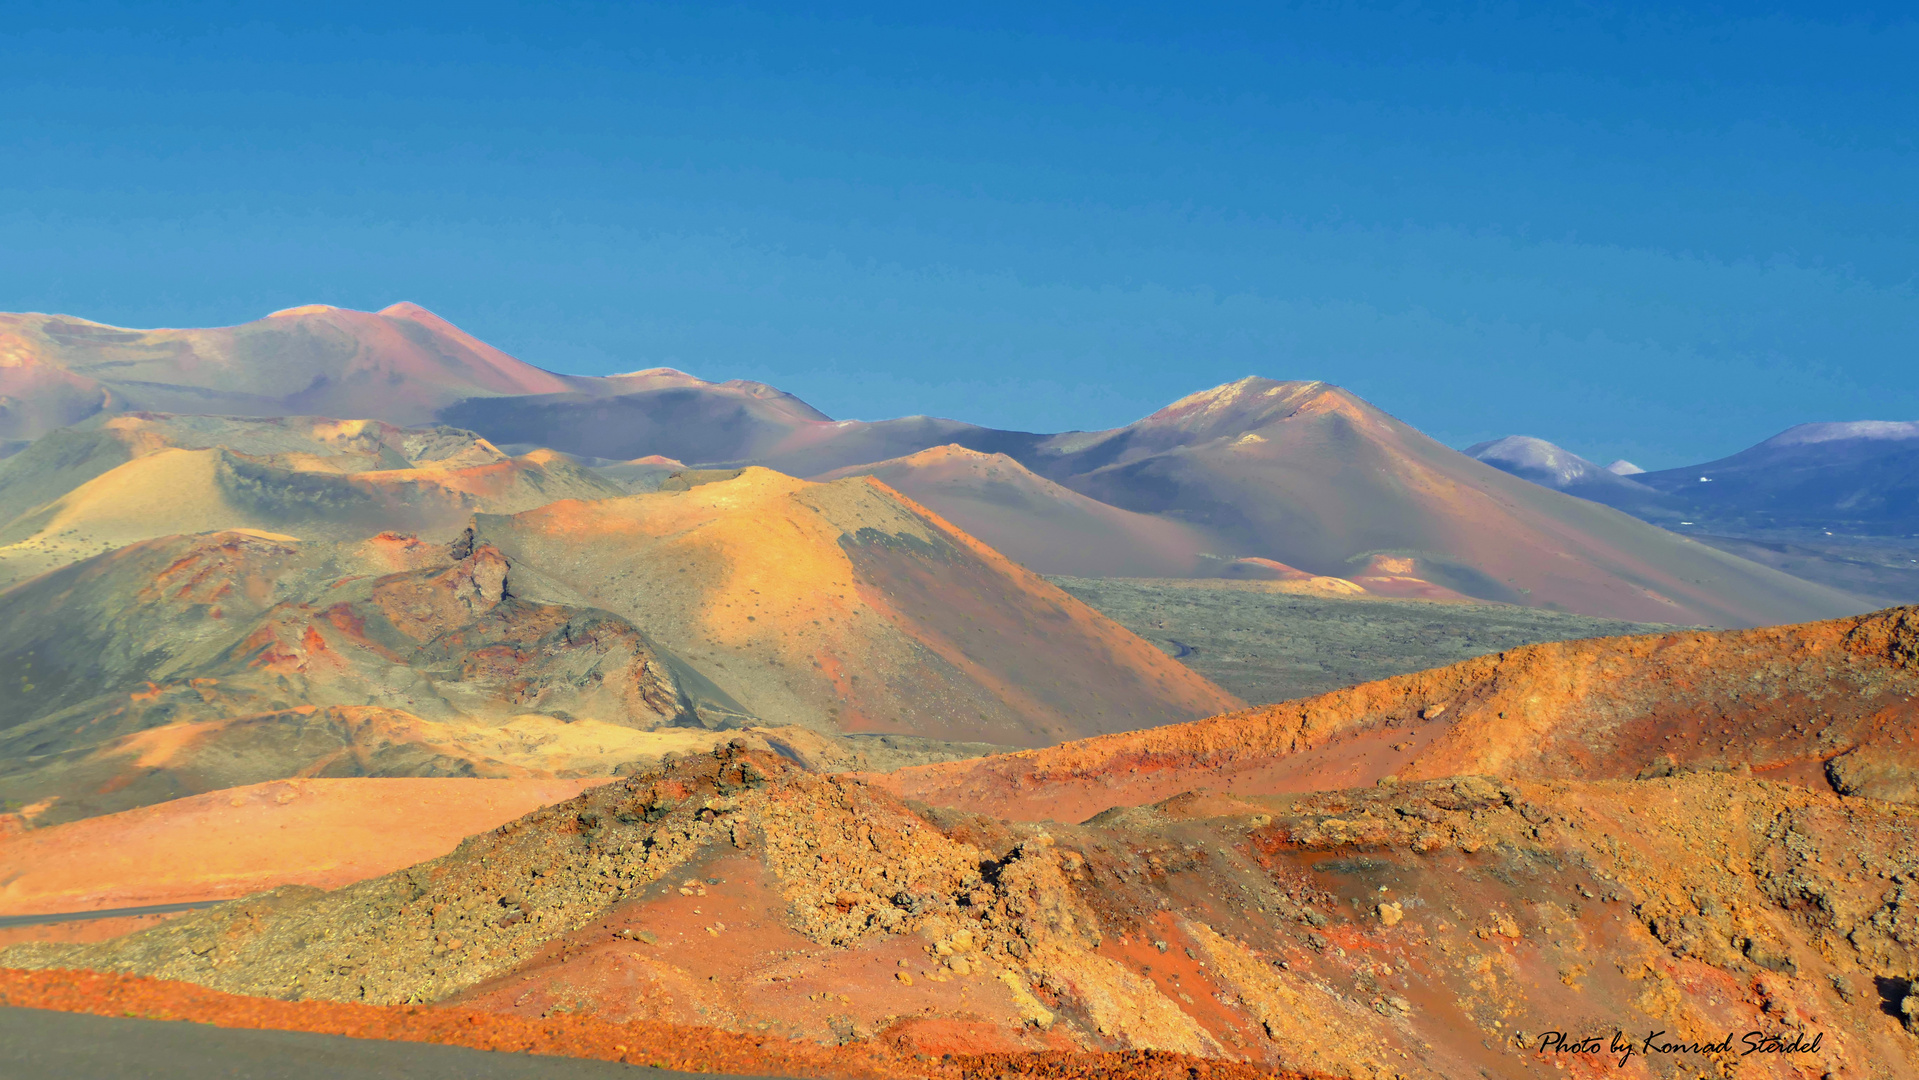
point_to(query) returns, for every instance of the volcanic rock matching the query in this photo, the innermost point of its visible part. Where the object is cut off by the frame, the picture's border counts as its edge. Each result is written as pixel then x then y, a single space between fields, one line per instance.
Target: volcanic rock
pixel 1779 702
pixel 193 663
pixel 783 903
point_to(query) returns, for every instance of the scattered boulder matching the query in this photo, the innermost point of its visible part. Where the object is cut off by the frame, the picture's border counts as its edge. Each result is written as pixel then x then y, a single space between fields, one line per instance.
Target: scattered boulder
pixel 1874 773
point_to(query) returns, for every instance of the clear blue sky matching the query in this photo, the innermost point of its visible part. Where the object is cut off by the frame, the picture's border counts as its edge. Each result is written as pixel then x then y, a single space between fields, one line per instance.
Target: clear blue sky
pixel 1662 233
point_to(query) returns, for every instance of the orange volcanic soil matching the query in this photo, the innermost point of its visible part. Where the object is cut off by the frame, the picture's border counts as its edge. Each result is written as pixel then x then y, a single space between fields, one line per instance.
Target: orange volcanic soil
pixel 850 601
pixel 1424 929
pixel 223 844
pixel 714 946
pixel 1828 704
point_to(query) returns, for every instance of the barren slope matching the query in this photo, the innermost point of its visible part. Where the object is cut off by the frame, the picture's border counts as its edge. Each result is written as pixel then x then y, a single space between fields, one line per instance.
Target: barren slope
pixel 224 844
pixel 1311 476
pixel 1434 929
pixel 849 607
pixel 1851 478
pixel 188 664
pixel 1825 705
pixel 400 364
pixel 1301 473
pixel 1034 521
pixel 655 412
pixel 66 459
pixel 78 492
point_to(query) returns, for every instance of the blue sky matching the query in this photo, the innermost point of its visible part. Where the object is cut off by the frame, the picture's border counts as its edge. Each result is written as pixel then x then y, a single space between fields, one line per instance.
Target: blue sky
pixel 1654 232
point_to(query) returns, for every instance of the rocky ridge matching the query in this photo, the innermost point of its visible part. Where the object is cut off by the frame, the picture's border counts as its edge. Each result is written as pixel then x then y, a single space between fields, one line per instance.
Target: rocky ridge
pixel 1819 704
pixel 1429 928
pixel 192 663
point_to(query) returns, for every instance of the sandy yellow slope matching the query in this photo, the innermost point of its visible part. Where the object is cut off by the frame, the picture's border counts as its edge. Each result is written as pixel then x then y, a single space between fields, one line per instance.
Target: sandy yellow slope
pixel 850 604
pixel 329 480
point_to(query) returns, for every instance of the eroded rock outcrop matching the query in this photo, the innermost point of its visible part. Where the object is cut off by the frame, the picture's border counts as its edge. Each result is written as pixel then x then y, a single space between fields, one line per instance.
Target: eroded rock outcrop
pixel 1429 928
pixel 194 663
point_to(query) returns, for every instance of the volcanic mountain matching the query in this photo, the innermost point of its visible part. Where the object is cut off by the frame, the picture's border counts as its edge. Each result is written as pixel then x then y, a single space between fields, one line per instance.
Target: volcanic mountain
pixel 400 365
pixel 1830 503
pixel 187 664
pixel 1426 929
pixel 1562 470
pixel 1310 476
pixel 1038 523
pixel 1302 474
pixel 848 601
pixel 1860 477
pixel 112 481
pixel 669 413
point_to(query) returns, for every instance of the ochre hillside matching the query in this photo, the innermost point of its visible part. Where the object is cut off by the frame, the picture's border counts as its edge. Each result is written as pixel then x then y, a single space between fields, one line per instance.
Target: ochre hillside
pixel 188 664
pixel 1309 475
pixel 848 601
pixel 1036 522
pixel 1827 705
pixel 112 482
pixel 220 845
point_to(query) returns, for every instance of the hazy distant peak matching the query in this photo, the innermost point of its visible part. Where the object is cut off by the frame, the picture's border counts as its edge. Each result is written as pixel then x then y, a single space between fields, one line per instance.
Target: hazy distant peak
pixel 1552 463
pixel 1251 390
pixel 950 458
pixel 659 373
pixel 763 390
pixel 656 378
pixel 1237 407
pixel 1622 467
pixel 407 309
pixel 304 309
pixel 1806 434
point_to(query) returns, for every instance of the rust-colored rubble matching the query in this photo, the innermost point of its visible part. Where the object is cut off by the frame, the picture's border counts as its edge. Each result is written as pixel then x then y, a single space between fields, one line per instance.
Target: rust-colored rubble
pixel 1826 705
pixel 1433 928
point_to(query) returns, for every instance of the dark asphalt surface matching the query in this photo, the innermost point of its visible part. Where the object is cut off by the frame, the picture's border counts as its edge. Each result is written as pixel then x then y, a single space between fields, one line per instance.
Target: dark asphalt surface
pixel 108 913
pixel 36 1044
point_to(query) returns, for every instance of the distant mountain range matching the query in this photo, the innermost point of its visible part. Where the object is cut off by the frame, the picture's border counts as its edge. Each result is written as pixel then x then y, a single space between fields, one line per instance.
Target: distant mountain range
pixel 1831 502
pixel 1859 478
pixel 1562 470
pixel 1232 481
